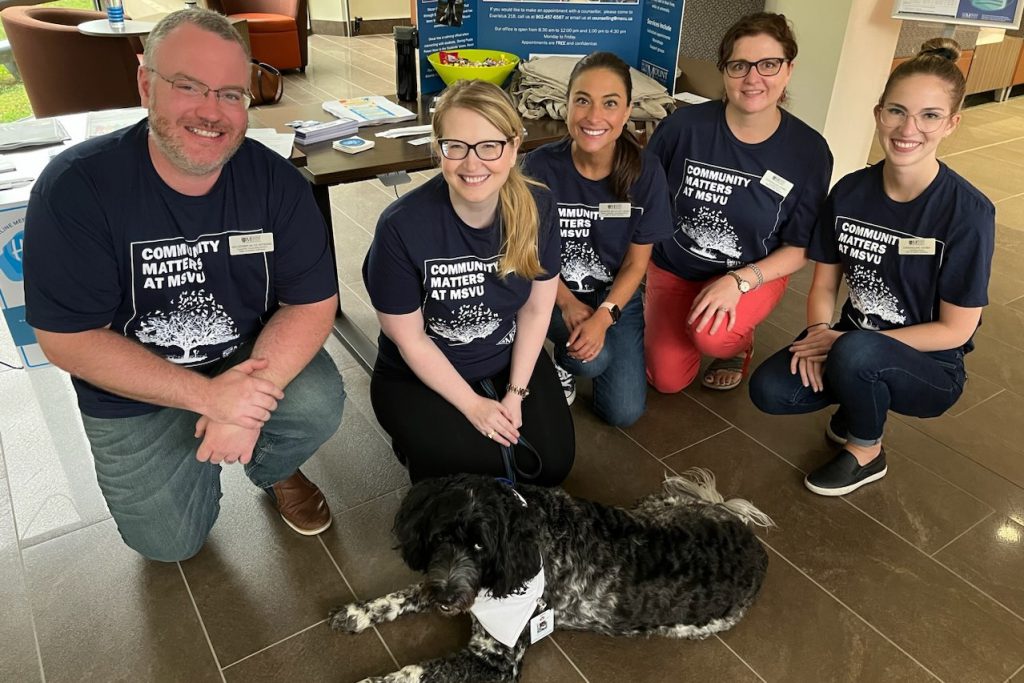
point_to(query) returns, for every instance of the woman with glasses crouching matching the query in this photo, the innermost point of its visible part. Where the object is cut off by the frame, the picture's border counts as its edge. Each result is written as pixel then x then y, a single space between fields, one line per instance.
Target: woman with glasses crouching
pixel 463 272
pixel 746 180
pixel 914 241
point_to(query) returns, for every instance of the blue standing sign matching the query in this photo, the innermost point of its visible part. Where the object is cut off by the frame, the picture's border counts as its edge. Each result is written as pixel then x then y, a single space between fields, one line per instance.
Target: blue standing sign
pixel 645 33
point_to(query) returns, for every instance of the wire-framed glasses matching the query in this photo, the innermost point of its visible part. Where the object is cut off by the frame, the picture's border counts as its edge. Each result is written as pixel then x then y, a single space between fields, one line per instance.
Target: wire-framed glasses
pixel 769 66
pixel 892 116
pixel 236 98
pixel 486 150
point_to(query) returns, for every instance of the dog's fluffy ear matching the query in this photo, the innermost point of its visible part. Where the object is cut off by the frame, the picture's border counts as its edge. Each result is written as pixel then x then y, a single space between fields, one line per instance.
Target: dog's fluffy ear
pixel 513 544
pixel 412 523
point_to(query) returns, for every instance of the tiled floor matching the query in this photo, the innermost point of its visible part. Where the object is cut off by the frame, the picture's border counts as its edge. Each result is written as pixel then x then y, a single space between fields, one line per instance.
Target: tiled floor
pixel 919 577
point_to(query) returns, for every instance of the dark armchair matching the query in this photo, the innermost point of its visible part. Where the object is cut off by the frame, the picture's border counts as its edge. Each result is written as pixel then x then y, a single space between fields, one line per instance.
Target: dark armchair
pixel 64 71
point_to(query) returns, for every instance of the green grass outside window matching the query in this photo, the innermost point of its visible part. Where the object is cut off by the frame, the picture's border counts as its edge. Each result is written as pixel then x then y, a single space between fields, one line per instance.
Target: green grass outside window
pixel 13 100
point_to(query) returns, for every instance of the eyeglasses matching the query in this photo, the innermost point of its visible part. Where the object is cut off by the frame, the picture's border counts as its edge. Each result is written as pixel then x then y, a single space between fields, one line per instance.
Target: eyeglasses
pixel 235 98
pixel 738 68
pixel 486 150
pixel 926 122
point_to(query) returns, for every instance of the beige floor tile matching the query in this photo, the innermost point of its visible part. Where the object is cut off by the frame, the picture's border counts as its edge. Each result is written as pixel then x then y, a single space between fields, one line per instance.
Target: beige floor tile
pixel 985 173
pixel 940 621
pixel 1010 212
pixel 20 660
pixel 355 302
pixel 104 613
pixel 856 652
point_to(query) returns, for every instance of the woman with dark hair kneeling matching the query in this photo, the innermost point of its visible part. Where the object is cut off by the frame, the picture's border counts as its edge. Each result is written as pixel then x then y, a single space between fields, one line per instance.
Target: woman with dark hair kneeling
pixel 914 241
pixel 747 180
pixel 613 206
pixel 462 273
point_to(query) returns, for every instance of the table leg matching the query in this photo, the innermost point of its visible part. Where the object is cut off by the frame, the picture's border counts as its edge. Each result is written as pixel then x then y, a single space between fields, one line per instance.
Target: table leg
pixel 350 336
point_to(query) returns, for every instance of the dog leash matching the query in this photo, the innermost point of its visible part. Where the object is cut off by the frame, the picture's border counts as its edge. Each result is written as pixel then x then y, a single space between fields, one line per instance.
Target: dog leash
pixel 508 453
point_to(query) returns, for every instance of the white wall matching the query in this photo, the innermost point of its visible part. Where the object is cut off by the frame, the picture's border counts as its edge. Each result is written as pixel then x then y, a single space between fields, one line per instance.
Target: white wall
pixel 327 10
pixel 846 51
pixel 379 9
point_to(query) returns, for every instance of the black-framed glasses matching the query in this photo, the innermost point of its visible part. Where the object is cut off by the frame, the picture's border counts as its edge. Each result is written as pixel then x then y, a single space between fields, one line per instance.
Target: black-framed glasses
pixel 892 116
pixel 486 150
pixel 769 66
pixel 233 97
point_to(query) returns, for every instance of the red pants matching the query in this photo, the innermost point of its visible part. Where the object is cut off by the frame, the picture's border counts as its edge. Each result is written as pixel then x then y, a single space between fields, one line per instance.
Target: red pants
pixel 673 348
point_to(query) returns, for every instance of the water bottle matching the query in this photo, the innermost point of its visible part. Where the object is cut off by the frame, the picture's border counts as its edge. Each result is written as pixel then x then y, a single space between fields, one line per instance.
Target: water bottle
pixel 115 14
pixel 191 4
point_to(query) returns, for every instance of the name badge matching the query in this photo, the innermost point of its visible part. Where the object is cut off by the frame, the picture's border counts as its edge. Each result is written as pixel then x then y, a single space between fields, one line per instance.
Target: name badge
pixel 917 246
pixel 614 209
pixel 776 183
pixel 240 245
pixel 542 625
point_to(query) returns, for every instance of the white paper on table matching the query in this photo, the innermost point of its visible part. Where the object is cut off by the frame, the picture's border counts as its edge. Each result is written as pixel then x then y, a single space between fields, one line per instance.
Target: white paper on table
pixel 406 131
pixel 279 142
pixel 420 141
pixel 689 98
pixel 109 120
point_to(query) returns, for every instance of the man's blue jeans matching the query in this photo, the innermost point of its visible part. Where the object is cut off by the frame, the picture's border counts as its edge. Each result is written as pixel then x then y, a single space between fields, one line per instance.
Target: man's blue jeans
pixel 620 381
pixel 867 374
pixel 163 500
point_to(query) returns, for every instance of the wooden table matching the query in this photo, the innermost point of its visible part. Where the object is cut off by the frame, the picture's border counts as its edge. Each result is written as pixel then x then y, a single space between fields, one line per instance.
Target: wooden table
pixel 103 29
pixel 325 166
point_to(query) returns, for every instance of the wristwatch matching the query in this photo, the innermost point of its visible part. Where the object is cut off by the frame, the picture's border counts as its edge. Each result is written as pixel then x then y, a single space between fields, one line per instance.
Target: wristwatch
pixel 740 282
pixel 613 309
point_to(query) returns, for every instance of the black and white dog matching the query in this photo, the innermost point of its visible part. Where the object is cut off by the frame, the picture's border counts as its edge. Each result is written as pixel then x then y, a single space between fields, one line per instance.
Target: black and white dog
pixel 682 563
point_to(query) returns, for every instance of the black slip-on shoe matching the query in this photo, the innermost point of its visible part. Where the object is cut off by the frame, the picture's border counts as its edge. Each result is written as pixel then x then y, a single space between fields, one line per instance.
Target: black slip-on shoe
pixel 843 474
pixel 835 429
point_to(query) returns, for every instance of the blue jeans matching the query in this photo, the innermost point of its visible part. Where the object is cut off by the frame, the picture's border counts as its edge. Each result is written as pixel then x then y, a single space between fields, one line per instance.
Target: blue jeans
pixel 866 374
pixel 620 380
pixel 163 500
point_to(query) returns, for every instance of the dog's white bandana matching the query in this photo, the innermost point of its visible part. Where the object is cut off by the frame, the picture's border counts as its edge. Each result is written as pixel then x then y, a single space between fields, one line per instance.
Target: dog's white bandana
pixel 505 618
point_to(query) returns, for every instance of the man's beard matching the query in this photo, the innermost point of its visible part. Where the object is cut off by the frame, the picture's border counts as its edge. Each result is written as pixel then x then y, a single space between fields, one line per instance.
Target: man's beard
pixel 173 148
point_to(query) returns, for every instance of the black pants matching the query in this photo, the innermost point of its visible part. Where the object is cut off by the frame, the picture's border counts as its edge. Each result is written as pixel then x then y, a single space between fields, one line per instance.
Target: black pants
pixel 435 439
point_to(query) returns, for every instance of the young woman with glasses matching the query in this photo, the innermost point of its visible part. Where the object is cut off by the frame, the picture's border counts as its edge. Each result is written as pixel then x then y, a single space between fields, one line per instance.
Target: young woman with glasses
pixel 613 206
pixel 747 179
pixel 914 241
pixel 462 272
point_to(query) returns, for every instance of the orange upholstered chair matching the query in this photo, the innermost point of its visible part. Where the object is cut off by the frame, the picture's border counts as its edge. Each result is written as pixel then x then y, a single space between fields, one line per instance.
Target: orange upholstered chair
pixel 277 29
pixel 65 71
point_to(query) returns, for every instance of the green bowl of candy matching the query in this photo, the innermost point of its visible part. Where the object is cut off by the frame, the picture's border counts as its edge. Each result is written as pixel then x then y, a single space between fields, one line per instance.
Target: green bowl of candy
pixel 486 65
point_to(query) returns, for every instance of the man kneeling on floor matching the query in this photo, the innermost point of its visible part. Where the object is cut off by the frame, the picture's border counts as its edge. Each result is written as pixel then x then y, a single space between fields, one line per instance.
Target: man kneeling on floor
pixel 182 275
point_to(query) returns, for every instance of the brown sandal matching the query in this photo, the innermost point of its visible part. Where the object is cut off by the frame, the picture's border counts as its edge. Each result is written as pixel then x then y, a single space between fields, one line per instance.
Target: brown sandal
pixel 737 364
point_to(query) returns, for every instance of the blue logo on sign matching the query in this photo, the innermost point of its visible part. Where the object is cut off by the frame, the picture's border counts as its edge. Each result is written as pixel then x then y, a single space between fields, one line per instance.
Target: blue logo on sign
pixel 10 257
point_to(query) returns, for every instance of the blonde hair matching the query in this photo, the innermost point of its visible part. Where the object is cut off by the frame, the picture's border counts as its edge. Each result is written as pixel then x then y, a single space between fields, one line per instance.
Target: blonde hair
pixel 519 215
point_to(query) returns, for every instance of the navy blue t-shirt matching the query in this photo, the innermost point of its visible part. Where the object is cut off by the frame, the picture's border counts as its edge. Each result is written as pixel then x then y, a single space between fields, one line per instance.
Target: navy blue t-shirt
pixel 895 282
pixel 593 247
pixel 736 202
pixel 107 242
pixel 423 256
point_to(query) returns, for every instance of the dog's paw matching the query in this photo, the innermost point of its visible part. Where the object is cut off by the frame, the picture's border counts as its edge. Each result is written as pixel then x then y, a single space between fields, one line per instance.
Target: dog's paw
pixel 410 674
pixel 351 618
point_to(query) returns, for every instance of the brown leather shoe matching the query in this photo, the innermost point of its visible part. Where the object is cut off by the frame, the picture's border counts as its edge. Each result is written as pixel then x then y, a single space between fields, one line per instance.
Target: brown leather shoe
pixel 302 505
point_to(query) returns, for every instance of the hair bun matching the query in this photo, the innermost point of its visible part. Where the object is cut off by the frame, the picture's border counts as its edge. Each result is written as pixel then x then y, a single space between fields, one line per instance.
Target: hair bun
pixel 946 48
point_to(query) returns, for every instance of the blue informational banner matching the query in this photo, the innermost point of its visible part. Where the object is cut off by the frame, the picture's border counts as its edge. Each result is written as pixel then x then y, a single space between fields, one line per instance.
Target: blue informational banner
pixel 645 33
pixel 1001 11
pixel 1005 14
pixel 12 277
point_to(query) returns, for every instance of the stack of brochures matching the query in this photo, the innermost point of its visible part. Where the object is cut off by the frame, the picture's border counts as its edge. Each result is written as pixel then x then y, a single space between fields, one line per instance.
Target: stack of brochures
pixel 371 110
pixel 36 133
pixel 329 130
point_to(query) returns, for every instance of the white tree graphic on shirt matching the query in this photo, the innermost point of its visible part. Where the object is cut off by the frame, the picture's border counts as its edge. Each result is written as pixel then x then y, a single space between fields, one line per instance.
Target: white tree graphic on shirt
pixel 870 296
pixel 471 322
pixel 197 320
pixel 711 234
pixel 510 337
pixel 580 261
